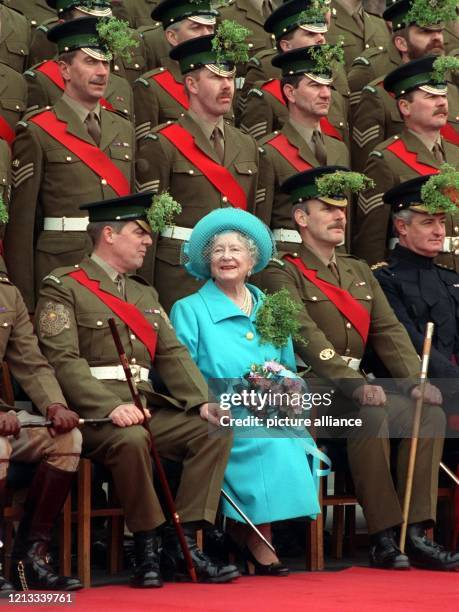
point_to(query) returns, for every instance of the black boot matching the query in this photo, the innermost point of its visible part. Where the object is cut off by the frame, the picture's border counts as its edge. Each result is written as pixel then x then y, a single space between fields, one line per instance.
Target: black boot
pixel 384 552
pixel 5 586
pixel 146 574
pixel 426 554
pixel 45 498
pixel 173 563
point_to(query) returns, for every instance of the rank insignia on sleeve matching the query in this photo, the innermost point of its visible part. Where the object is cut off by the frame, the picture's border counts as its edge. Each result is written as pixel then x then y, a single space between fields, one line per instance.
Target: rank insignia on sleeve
pixel 54 318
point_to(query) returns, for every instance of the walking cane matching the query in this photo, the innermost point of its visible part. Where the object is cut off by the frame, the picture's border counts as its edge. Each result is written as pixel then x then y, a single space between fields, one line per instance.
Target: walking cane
pixel 154 452
pixel 415 432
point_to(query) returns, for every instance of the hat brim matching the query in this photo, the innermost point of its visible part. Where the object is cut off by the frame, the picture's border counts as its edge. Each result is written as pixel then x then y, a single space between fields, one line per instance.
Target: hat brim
pixel 316 29
pixel 219 71
pixel 318 79
pixel 106 12
pixel 144 225
pixel 97 54
pixel 221 221
pixel 434 91
pixel 203 20
pixel 338 202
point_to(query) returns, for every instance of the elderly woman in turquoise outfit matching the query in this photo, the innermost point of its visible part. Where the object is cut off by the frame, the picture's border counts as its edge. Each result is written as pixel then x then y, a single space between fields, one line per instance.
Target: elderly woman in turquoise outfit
pixel 269 477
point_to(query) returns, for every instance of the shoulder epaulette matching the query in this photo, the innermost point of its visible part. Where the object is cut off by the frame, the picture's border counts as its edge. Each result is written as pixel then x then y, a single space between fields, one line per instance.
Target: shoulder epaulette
pixel 30 73
pixel 375 153
pixel 43 27
pixel 150 136
pixel 261 150
pixel 445 267
pixel 277 261
pixel 380 264
pixel 143 81
pixel 255 92
pixel 58 273
pixel 4 278
pixel 22 123
pixel 254 60
pixel 369 88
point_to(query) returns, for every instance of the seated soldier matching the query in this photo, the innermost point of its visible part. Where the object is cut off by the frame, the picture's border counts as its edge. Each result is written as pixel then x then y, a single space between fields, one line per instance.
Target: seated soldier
pixel 57 450
pixel 418 289
pixel 343 311
pixel 72 317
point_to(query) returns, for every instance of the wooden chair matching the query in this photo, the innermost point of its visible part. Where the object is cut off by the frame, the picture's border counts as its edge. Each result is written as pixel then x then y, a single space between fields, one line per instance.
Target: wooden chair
pixel 83 515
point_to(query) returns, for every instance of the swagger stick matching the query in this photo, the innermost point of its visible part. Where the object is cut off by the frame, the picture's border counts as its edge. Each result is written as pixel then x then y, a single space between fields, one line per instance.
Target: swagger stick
pixel 451 474
pixel 247 520
pixel 154 452
pixel 415 432
pixel 80 422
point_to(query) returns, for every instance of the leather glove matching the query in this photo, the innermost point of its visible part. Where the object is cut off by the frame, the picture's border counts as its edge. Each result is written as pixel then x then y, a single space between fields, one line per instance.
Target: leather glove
pixel 63 418
pixel 9 424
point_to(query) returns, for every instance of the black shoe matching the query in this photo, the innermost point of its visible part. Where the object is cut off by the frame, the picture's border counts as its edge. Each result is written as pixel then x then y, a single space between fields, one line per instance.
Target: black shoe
pixel 34 572
pixel 384 552
pixel 146 574
pixel 273 569
pixel 426 554
pixel 208 570
pixel 5 587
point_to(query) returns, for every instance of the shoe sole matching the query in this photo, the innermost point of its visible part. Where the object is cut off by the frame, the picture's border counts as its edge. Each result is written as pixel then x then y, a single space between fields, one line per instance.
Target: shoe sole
pixel 186 578
pixel 397 565
pixel 435 568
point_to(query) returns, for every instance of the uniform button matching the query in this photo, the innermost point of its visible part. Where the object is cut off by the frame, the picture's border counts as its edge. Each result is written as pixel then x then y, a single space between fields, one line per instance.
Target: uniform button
pixel 99 323
pixel 224 199
pixel 249 336
pixel 456 229
pixel 132 337
pixel 17 107
pixel 295 254
pixel 5 324
pixel 68 158
pixel 76 265
pixel 347 351
pixel 133 361
pixel 381 48
pixel 368 297
pixel 367 46
pixel 33 22
pixel 348 325
pixel 249 171
pixel 116 68
pixel 126 157
pixel 4 181
pixel 341 124
pixel 103 181
pixel 136 65
pixel 155 325
pixel 190 171
pixel 313 298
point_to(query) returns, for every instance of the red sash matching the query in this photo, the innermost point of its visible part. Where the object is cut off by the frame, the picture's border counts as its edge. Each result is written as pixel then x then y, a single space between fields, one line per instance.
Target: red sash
pixel 128 313
pixel 89 154
pixel 410 158
pixel 6 131
pixel 274 88
pixel 220 177
pixel 342 299
pixel 450 134
pixel 290 152
pixel 175 89
pixel 50 69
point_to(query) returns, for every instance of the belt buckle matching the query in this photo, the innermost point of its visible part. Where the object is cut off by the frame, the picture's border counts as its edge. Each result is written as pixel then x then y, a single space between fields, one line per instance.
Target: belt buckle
pixel 281 236
pixel 135 371
pixel 63 224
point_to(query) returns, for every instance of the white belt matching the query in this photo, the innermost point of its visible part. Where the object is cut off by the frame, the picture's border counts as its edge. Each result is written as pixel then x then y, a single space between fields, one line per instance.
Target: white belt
pixel 351 362
pixel 286 235
pixel 176 232
pixel 117 373
pixel 66 224
pixel 450 244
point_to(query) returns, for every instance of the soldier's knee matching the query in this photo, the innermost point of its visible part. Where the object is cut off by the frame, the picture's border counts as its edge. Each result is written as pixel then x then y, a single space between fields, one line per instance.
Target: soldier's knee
pixel 433 423
pixel 5 453
pixel 374 421
pixel 131 441
pixel 69 442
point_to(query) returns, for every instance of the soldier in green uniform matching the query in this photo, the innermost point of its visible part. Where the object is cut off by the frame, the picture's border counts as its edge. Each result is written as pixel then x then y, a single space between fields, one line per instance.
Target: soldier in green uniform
pixel 452 34
pixel 137 12
pixel 344 310
pixel 15 38
pixel 421 97
pixel 374 113
pixel 35 11
pixel 203 161
pixel 262 108
pixel 306 139
pixel 359 29
pixel 57 455
pixel 13 101
pixel 129 66
pixel 73 153
pixel 80 347
pixel 159 94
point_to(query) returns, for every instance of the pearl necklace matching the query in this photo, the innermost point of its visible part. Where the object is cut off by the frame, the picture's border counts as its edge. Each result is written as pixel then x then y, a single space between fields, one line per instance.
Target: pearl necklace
pixel 246 306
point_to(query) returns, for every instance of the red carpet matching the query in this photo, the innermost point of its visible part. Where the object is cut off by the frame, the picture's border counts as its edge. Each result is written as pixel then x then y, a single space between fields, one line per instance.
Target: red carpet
pixel 352 590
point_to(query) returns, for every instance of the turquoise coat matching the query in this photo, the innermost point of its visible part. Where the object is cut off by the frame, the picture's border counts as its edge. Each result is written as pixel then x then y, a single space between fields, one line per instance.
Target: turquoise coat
pixel 268 477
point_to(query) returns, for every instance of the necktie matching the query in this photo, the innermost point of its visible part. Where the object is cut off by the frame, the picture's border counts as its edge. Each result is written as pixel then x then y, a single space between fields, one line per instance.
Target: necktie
pixel 319 147
pixel 334 270
pixel 217 141
pixel 438 153
pixel 93 127
pixel 120 284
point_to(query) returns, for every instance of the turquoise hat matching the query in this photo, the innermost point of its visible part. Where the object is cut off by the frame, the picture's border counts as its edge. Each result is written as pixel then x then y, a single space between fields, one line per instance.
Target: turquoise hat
pixel 218 222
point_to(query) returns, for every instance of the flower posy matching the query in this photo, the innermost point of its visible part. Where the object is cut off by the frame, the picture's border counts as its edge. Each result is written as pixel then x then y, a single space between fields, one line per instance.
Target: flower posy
pixel 230 43
pixel 115 35
pixel 426 13
pixel 277 319
pixel 162 210
pixel 315 12
pixel 441 192
pixel 340 182
pixel 3 212
pixel 442 65
pixel 325 56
